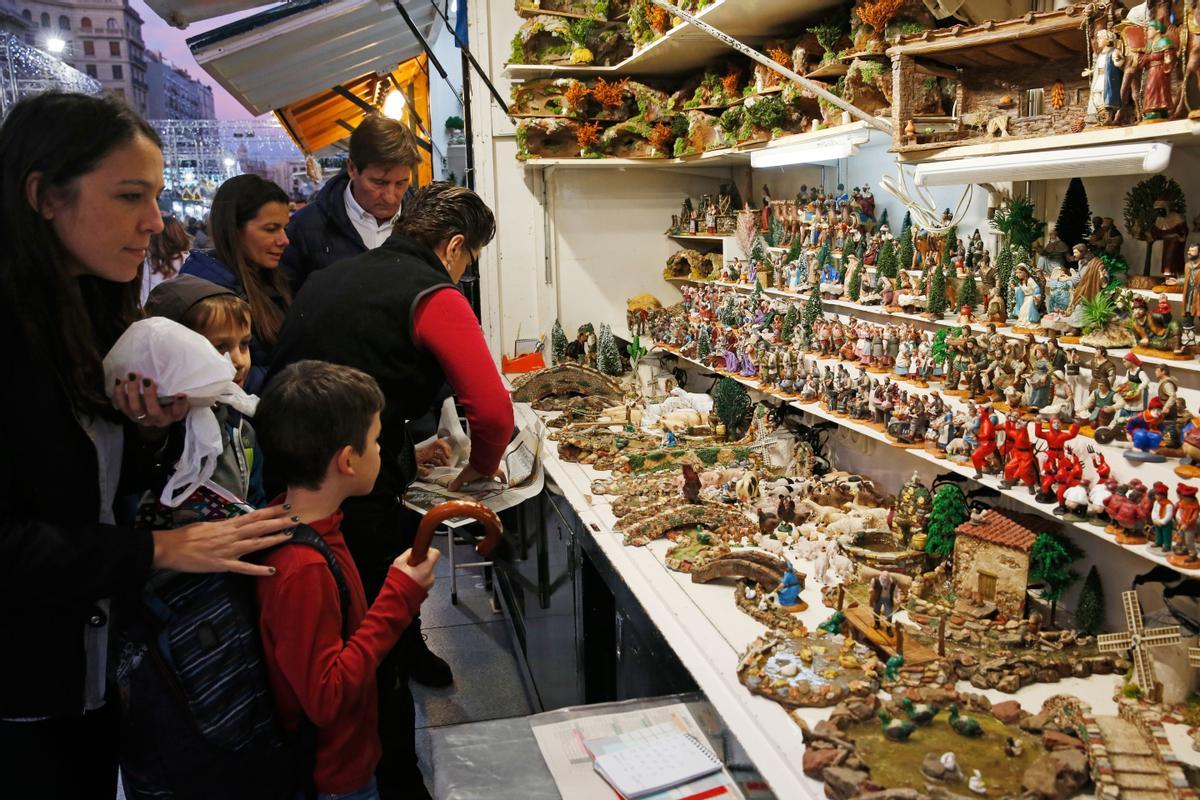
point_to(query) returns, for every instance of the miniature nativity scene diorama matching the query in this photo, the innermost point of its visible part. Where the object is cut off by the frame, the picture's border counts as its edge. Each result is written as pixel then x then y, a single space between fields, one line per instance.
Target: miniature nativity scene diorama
pixel 912 453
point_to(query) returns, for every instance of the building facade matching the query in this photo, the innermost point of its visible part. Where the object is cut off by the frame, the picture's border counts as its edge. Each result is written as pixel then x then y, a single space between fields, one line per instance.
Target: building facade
pixel 100 38
pixel 174 94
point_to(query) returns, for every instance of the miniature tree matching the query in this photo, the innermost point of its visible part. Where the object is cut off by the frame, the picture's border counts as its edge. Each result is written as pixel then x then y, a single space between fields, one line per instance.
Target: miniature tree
pixel 608 358
pixel 823 256
pixel 774 231
pixel 1049 564
pixel 789 323
pixel 1015 219
pixel 731 402
pixel 883 218
pixel 759 255
pixel 904 251
pixel 861 252
pixel 1089 611
pixel 968 295
pixel 728 314
pixel 886 263
pixel 1074 217
pixel 935 304
pixel 794 252
pixel 949 510
pixel 558 343
pixel 703 348
pixel 949 245
pixel 1004 268
pixel 812 312
pixel 854 287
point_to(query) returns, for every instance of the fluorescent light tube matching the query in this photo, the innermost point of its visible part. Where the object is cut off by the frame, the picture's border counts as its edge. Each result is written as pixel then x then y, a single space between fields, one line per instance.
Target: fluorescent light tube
pixel 802 154
pixel 1083 162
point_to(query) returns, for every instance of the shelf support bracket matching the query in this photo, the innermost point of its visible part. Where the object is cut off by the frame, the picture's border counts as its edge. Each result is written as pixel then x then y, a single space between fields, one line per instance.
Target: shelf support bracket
pixel 795 77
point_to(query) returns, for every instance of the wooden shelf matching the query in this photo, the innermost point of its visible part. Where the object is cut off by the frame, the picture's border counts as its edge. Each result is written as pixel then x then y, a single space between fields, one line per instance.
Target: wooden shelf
pixel 1178 367
pixel 1020 496
pixel 699 237
pixel 726 156
pixel 684 48
pixel 1181 132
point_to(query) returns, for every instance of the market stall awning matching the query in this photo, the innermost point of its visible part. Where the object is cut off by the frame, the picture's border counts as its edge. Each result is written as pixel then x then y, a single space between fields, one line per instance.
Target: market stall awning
pixel 327 117
pixel 182 13
pixel 295 51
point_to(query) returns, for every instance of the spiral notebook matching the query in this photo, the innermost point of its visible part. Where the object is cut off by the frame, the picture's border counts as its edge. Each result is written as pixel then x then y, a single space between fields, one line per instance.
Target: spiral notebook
pixel 644 762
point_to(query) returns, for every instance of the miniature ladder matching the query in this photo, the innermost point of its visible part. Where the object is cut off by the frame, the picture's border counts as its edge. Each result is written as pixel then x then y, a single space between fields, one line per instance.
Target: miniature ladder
pixel 1137 773
pixel 1139 642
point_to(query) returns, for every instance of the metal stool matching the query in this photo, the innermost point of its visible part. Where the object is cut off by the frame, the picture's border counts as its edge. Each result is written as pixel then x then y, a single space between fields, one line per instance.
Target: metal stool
pixel 448 530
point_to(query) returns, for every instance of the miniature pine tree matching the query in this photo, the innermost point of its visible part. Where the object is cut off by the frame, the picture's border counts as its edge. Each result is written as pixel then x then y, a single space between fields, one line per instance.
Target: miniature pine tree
pixel 812 312
pixel 1004 272
pixel 1089 611
pixel 794 252
pixel 558 343
pixel 949 510
pixel 854 287
pixel 886 263
pixel 861 252
pixel 935 304
pixel 949 245
pixel 756 293
pixel 731 402
pixel 883 218
pixel 904 252
pixel 608 358
pixel 728 314
pixel 1049 564
pixel 789 323
pixel 1074 217
pixel 774 231
pixel 906 224
pixel 823 256
pixel 968 294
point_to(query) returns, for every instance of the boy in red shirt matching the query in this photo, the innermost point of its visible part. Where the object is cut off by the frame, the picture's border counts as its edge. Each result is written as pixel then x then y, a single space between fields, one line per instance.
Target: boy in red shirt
pixel 319 427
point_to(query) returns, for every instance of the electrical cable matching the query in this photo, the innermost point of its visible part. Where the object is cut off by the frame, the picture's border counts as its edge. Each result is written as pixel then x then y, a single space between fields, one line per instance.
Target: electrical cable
pixel 924 208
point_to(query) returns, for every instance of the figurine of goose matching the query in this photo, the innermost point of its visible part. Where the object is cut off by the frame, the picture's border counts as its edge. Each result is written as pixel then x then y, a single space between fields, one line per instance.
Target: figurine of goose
pixel 895 729
pixel 921 714
pixel 976 783
pixel 964 726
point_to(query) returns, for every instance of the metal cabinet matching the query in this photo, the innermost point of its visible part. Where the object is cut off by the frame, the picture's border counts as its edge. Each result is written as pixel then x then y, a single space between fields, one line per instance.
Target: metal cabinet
pixel 580 633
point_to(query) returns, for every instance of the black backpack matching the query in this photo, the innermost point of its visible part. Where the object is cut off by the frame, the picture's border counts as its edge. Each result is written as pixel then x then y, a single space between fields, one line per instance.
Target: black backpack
pixel 198 719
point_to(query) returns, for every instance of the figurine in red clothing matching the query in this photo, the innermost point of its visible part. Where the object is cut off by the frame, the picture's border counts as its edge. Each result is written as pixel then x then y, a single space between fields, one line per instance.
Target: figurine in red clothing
pixel 1055 438
pixel 1020 461
pixel 1187 515
pixel 987 441
pixel 1130 513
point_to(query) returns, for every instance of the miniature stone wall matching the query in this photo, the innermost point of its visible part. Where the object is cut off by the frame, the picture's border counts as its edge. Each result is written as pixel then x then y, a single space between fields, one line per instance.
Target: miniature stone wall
pixel 984 91
pixel 1011 568
pixel 1148 719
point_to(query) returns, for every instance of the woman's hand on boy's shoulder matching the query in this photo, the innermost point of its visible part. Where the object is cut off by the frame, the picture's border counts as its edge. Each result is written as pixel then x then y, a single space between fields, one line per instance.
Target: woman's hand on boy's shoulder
pixel 220 546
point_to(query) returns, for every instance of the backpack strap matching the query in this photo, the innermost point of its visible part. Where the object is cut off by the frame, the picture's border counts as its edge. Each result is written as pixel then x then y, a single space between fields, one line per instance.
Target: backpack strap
pixel 305 535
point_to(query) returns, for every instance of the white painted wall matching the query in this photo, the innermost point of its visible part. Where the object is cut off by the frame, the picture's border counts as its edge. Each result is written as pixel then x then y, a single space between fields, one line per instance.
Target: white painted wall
pixel 443 95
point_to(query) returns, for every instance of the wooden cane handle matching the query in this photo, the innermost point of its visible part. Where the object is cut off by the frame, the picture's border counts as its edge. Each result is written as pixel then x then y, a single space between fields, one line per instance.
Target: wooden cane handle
pixel 456 509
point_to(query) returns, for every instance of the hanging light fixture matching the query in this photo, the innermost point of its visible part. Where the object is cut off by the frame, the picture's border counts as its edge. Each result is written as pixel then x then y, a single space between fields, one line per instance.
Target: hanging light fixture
pixel 393 104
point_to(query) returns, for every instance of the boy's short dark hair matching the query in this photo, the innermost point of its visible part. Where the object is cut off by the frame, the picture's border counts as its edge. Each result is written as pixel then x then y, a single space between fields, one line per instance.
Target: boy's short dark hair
pixel 310 411
pixel 384 142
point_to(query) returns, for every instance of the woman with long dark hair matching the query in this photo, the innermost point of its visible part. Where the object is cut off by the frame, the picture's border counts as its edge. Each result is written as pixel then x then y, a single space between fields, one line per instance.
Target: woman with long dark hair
pixel 247 224
pixel 79 179
pixel 168 250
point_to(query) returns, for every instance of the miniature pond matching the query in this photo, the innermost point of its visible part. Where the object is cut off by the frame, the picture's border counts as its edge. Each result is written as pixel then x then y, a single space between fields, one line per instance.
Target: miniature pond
pixel 898 764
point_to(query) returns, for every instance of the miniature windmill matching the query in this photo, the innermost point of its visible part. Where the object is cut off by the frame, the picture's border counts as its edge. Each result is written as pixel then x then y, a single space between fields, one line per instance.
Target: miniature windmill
pixel 1139 642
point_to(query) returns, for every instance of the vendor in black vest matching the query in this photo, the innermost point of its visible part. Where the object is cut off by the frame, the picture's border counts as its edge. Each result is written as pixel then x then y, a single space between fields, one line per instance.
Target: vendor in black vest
pixel 396 313
pixel 355 210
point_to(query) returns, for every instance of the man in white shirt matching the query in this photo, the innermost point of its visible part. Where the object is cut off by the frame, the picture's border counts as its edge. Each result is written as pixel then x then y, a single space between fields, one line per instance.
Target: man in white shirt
pixel 354 211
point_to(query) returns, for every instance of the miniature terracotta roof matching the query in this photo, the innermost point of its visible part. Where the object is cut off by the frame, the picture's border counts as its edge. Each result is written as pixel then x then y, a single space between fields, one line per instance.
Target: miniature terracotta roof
pixel 1035 37
pixel 999 529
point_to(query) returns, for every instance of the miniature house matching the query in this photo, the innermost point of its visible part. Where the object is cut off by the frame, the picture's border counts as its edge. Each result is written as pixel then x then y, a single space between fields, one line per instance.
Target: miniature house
pixel 1018 78
pixel 991 561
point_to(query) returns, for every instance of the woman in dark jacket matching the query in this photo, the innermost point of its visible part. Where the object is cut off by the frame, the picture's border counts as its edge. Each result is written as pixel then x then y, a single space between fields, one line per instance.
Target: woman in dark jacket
pixel 78 211
pixel 248 225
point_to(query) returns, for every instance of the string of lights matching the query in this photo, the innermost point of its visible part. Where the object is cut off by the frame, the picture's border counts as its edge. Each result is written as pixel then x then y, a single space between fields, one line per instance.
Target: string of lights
pixel 26 71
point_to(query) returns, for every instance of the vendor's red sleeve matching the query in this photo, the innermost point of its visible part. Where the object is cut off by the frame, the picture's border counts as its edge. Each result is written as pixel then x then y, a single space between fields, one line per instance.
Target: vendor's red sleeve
pixel 445 325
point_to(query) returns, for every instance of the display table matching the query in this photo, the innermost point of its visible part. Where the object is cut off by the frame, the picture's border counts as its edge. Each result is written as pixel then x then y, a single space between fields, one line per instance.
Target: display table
pixel 500 760
pixel 707 633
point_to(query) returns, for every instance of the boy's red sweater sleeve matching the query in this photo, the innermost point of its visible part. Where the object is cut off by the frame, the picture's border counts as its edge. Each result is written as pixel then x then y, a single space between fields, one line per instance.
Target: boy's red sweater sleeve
pixel 305 621
pixel 446 326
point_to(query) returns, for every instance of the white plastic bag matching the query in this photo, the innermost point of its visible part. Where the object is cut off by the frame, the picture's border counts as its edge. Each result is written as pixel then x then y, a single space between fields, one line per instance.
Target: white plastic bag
pixel 180 360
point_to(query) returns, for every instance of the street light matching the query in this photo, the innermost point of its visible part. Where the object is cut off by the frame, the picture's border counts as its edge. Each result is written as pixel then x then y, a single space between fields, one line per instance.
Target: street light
pixel 56 45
